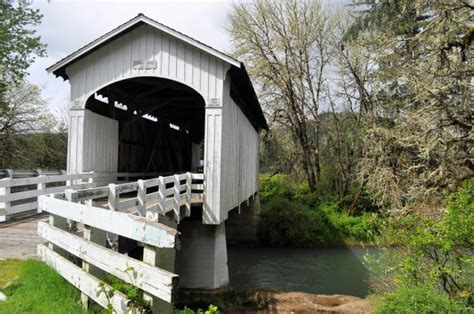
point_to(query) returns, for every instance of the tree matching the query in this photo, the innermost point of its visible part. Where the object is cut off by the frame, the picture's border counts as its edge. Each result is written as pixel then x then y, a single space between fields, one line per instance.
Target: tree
pixel 26 113
pixel 286 46
pixel 418 146
pixel 19 44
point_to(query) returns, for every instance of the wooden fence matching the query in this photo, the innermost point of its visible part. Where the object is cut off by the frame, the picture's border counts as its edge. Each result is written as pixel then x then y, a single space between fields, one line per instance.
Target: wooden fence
pixel 129 210
pixel 19 196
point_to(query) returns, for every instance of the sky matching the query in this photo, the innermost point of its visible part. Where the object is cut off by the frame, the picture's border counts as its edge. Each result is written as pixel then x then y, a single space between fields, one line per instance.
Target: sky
pixel 68 25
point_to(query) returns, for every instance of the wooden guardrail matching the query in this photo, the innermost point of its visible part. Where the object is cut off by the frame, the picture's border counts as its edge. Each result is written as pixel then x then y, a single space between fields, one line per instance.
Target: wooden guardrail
pixel 19 196
pixel 129 210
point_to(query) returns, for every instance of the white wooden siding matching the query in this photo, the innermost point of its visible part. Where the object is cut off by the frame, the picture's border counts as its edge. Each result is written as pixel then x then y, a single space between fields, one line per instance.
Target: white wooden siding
pixel 240 157
pixel 212 213
pixel 231 156
pixel 92 143
pixel 175 60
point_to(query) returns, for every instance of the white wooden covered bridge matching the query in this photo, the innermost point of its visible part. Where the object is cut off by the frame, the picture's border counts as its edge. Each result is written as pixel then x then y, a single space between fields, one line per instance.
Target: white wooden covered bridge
pixel 148 99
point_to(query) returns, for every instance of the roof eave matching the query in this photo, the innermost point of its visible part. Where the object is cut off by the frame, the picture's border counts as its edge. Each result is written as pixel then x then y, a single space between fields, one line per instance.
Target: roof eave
pixel 56 68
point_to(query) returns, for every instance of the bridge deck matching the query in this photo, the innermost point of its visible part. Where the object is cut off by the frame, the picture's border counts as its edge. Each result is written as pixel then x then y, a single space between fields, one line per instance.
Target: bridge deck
pixel 19 237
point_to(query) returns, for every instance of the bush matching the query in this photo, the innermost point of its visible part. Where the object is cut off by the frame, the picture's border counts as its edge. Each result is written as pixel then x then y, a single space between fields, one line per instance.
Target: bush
pixel 432 258
pixel 280 186
pixel 358 228
pixel 286 223
pixel 293 216
pixel 418 299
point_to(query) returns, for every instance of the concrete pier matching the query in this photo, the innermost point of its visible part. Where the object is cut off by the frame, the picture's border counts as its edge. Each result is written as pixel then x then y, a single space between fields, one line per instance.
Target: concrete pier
pixel 202 258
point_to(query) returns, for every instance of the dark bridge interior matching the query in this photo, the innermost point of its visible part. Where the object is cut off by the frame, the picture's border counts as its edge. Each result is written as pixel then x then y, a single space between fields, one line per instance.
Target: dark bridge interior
pixel 159 120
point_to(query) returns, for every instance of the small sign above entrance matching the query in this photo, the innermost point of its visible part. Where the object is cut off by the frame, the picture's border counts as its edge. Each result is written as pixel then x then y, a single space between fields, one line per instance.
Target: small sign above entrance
pixel 144 65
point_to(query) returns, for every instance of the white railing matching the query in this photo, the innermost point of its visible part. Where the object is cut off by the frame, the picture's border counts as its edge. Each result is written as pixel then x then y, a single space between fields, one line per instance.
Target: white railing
pixel 157 196
pixel 129 210
pixel 19 196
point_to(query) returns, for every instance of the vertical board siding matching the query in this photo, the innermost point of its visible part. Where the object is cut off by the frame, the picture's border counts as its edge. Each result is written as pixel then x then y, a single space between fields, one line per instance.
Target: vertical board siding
pixel 175 60
pixel 240 145
pixel 212 167
pixel 93 142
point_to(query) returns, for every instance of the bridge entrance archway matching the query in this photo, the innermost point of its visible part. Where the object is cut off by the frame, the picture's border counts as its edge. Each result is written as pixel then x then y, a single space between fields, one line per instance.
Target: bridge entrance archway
pixel 160 124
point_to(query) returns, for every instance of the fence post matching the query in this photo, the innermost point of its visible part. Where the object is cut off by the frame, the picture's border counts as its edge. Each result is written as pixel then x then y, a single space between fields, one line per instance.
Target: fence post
pixel 189 183
pixel 163 258
pixel 177 197
pixel 68 182
pixel 58 222
pixel 161 196
pixel 93 235
pixel 141 195
pixel 113 200
pixel 91 180
pixel 41 185
pixel 4 203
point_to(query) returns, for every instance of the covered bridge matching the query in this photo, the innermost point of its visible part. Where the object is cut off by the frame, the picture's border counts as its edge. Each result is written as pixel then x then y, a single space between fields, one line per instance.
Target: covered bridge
pixel 146 98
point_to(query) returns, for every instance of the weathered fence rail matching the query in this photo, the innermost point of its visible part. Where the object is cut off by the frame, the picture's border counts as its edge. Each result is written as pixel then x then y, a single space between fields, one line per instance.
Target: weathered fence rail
pixel 18 196
pixel 130 210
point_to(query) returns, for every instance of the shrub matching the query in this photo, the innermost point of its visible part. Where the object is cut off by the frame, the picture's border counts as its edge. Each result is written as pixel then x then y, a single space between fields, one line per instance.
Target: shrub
pixel 276 186
pixel 282 187
pixel 357 228
pixel 287 205
pixel 287 223
pixel 417 299
pixel 431 251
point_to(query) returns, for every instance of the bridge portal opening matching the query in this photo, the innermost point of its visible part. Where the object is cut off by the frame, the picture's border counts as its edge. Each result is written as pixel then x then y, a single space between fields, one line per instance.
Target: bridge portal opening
pixel 160 124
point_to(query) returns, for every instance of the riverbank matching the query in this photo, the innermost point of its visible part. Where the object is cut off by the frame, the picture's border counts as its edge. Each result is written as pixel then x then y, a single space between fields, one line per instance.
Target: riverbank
pixel 299 302
pixel 276 301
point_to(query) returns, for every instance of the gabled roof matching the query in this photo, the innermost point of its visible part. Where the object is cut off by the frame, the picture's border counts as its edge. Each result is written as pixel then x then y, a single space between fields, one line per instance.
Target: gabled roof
pixel 59 68
pixel 242 87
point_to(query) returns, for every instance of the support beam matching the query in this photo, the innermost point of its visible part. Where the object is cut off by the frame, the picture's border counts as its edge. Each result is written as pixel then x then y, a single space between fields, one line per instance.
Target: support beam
pixel 202 259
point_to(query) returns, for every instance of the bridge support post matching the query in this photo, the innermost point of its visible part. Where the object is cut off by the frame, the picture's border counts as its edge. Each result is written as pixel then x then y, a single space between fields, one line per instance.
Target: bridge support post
pixel 202 259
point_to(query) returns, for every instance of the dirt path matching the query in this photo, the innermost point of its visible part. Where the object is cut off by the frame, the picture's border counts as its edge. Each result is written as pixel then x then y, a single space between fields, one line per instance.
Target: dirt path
pixel 19 237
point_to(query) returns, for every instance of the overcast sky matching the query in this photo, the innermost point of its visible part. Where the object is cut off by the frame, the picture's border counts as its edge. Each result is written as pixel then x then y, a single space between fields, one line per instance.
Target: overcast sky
pixel 69 25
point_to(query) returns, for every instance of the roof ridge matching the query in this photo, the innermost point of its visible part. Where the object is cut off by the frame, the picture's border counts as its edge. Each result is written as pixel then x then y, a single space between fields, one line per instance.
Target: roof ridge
pixel 117 31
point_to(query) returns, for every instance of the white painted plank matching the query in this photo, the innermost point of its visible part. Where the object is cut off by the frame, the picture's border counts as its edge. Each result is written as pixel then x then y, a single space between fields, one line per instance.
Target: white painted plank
pixel 21 208
pixel 35 193
pixel 45 179
pixel 126 225
pixel 85 282
pixel 156 281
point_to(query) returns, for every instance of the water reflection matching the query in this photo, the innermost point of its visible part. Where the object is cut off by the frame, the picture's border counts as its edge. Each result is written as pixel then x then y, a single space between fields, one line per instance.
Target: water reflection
pixel 324 271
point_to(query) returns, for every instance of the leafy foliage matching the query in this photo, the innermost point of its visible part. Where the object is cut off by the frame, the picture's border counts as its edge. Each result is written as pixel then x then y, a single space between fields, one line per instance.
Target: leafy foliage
pixel 28 138
pixel 419 299
pixel 134 294
pixel 212 309
pixel 293 216
pixel 436 252
pixel 19 43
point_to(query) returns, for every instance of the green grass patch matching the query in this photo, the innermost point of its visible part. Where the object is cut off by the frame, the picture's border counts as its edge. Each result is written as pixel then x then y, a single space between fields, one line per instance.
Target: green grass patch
pixel 36 288
pixel 9 270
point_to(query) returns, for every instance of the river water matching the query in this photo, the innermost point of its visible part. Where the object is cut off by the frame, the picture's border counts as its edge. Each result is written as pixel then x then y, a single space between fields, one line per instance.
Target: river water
pixel 323 271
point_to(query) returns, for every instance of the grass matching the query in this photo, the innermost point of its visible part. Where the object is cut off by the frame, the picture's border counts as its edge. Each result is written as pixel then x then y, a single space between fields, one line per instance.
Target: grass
pixel 34 287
